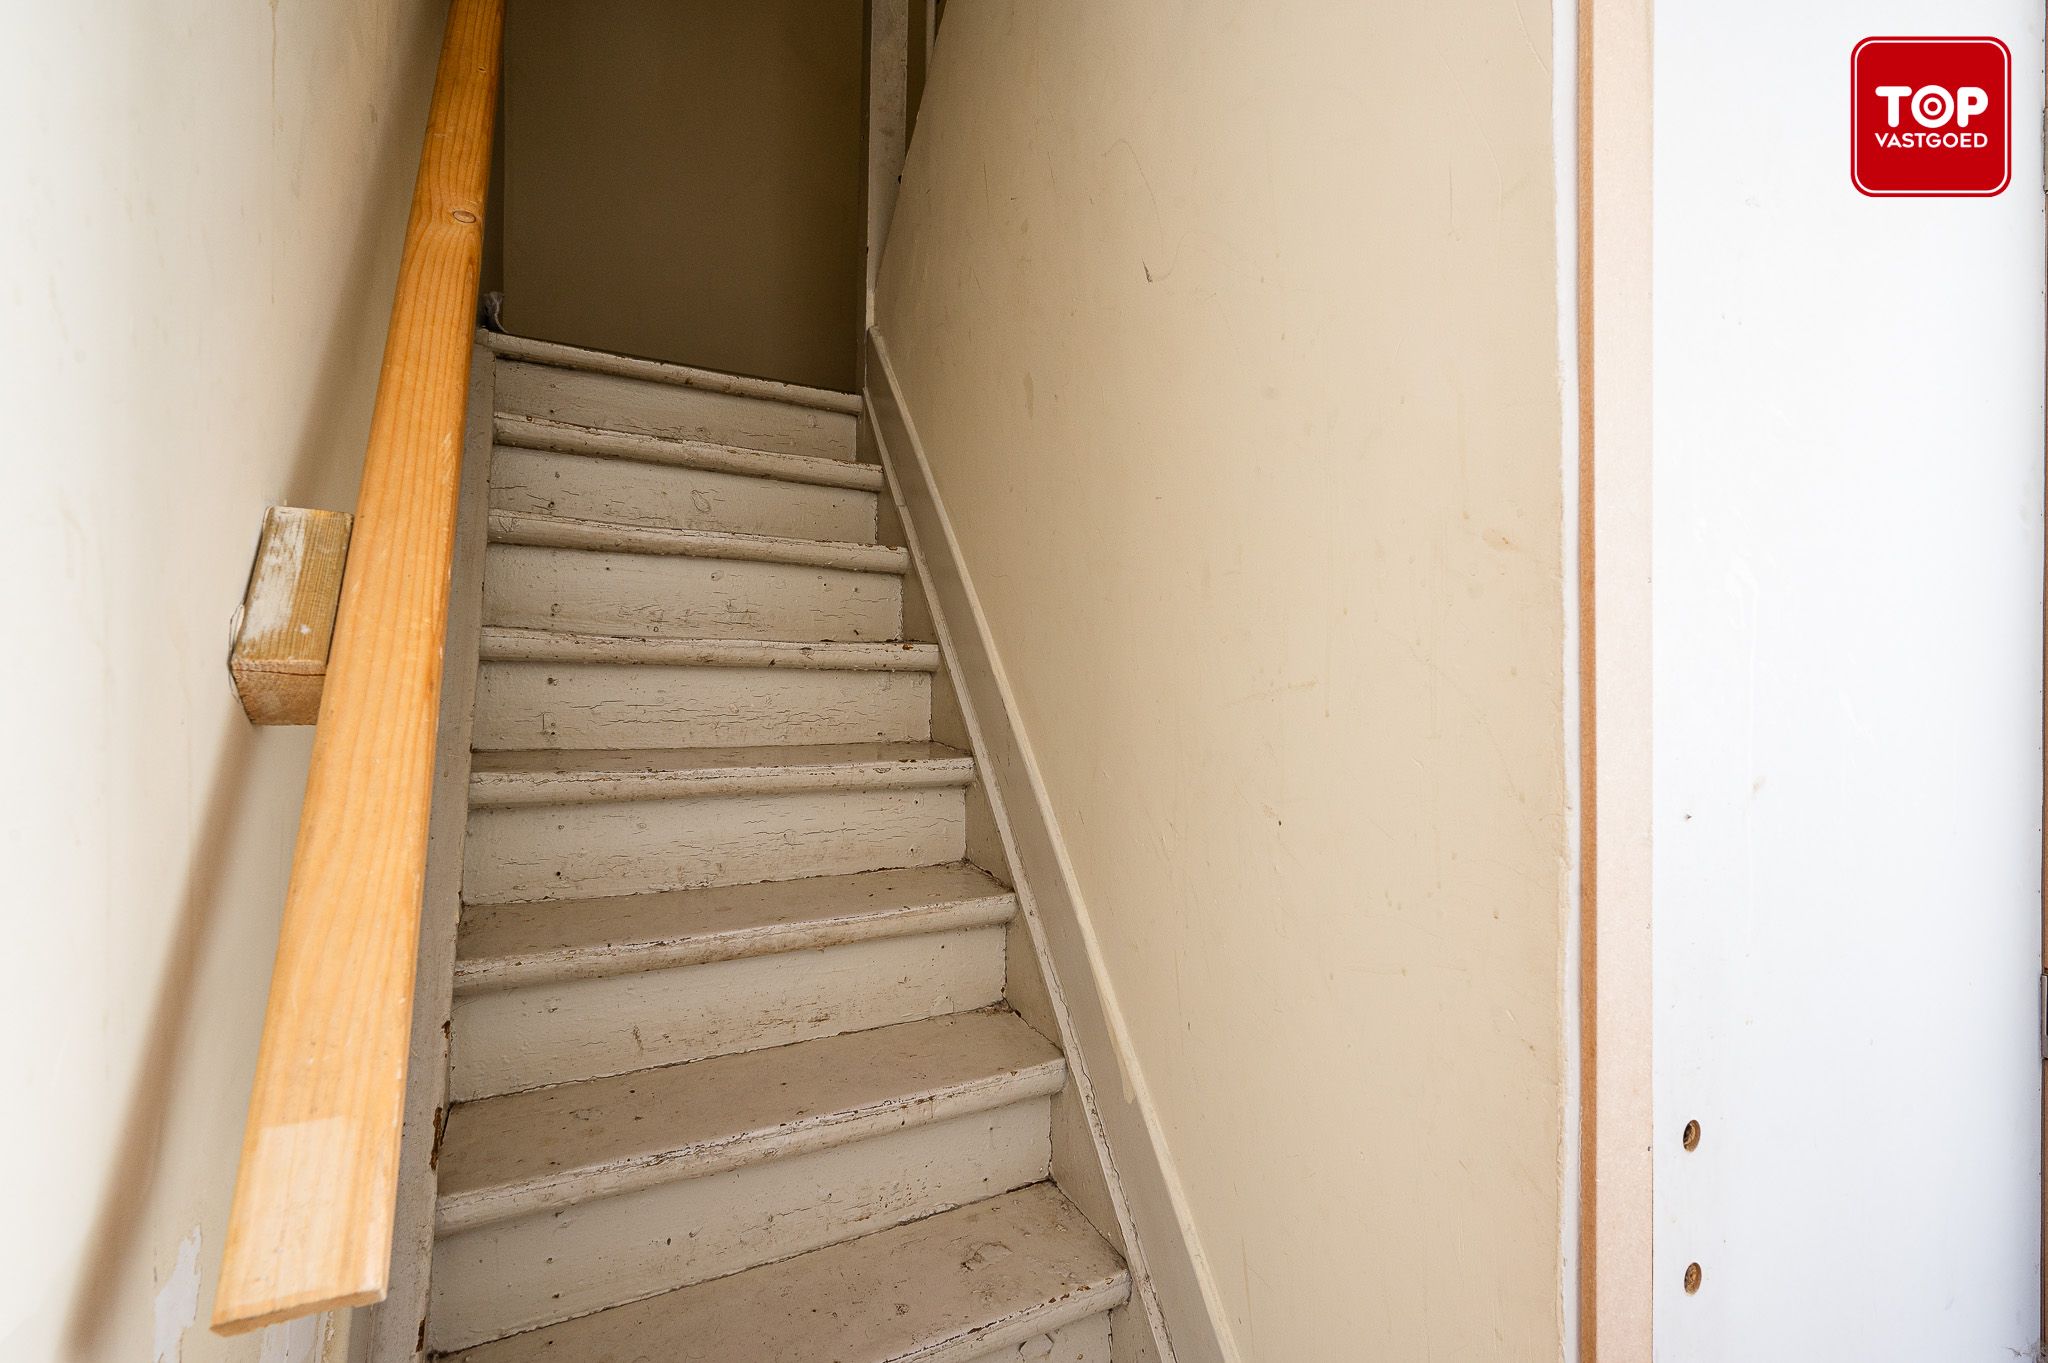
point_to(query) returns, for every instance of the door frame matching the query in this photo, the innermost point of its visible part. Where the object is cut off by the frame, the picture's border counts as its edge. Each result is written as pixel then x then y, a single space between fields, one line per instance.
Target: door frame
pixel 1615 1283
pixel 1614 178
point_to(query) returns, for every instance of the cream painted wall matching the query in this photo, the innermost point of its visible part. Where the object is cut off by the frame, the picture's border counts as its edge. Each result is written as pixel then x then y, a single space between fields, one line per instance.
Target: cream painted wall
pixel 1231 334
pixel 203 208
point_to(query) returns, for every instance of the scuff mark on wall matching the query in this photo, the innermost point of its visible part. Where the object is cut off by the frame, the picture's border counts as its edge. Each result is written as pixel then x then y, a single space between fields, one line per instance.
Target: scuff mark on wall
pixel 292 1341
pixel 177 1301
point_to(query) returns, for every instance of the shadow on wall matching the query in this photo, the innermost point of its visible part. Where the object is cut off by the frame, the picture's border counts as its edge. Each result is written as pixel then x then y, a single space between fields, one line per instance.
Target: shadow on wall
pixel 119 1230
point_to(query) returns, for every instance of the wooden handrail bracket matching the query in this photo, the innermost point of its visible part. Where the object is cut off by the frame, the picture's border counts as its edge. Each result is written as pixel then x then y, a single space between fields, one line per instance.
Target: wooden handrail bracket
pixel 285 628
pixel 310 1229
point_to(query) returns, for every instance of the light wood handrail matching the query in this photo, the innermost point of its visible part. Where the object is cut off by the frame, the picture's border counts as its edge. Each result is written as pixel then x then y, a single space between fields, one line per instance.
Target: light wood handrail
pixel 311 1225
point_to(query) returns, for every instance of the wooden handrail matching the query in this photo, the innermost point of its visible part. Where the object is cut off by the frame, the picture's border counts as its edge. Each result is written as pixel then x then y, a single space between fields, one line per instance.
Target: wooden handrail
pixel 311 1225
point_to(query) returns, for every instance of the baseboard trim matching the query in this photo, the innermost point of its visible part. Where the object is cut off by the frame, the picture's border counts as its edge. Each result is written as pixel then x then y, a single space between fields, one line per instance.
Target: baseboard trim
pixel 1167 1269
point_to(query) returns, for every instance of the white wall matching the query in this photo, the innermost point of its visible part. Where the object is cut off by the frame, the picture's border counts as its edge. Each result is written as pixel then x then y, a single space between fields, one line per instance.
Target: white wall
pixel 1847 673
pixel 200 226
pixel 1232 336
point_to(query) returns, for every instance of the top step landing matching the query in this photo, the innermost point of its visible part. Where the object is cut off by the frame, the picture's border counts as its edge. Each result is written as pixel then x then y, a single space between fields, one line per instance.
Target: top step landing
pixel 613 393
pixel 660 371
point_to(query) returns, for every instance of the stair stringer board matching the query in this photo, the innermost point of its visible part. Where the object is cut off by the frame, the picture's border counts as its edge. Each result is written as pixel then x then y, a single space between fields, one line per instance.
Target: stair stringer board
pixel 394 1330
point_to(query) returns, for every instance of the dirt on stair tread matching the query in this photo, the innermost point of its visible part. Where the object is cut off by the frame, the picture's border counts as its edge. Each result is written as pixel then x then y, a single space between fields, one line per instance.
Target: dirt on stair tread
pixel 644 761
pixel 945 1288
pixel 508 645
pixel 534 1149
pixel 565 939
pixel 540 433
pixel 540 530
pixel 563 776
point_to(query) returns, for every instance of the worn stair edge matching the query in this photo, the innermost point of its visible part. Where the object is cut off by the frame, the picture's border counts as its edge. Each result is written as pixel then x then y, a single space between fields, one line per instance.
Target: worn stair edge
pixel 557 776
pixel 562 356
pixel 521 945
pixel 563 532
pixel 747 1108
pixel 562 437
pixel 924 1292
pixel 509 644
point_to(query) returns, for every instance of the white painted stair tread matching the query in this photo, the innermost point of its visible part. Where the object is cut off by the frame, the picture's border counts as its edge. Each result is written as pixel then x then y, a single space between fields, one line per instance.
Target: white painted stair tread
pixel 539 433
pixel 523 944
pixel 526 1152
pixel 507 644
pixel 564 356
pixel 946 1289
pixel 578 775
pixel 566 532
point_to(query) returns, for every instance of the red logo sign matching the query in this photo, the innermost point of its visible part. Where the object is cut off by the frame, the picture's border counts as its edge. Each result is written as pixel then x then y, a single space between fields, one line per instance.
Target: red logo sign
pixel 1930 117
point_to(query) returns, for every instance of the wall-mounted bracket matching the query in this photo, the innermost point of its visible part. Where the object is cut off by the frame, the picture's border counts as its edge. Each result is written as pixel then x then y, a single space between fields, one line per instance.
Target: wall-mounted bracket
pixel 285 624
pixel 2041 1018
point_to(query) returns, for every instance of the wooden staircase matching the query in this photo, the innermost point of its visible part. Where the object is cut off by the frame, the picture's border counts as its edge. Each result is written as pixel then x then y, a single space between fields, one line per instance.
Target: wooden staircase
pixel 733 1078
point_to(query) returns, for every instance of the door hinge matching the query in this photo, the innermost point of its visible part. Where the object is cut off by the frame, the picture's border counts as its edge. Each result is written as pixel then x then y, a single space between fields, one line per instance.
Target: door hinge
pixel 2044 149
pixel 2041 1019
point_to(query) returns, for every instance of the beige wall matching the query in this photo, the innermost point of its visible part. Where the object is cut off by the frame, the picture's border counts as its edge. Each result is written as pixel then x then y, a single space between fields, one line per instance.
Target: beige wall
pixel 203 212
pixel 682 181
pixel 1231 335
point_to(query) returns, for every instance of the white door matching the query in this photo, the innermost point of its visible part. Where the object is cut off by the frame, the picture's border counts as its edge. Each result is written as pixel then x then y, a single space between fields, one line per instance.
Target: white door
pixel 1847 673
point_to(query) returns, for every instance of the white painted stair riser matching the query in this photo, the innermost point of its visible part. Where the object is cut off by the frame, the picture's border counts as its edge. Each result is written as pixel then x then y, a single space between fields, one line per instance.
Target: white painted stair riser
pixel 613 402
pixel 518 1275
pixel 641 705
pixel 624 492
pixel 506 1040
pixel 682 597
pixel 546 852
